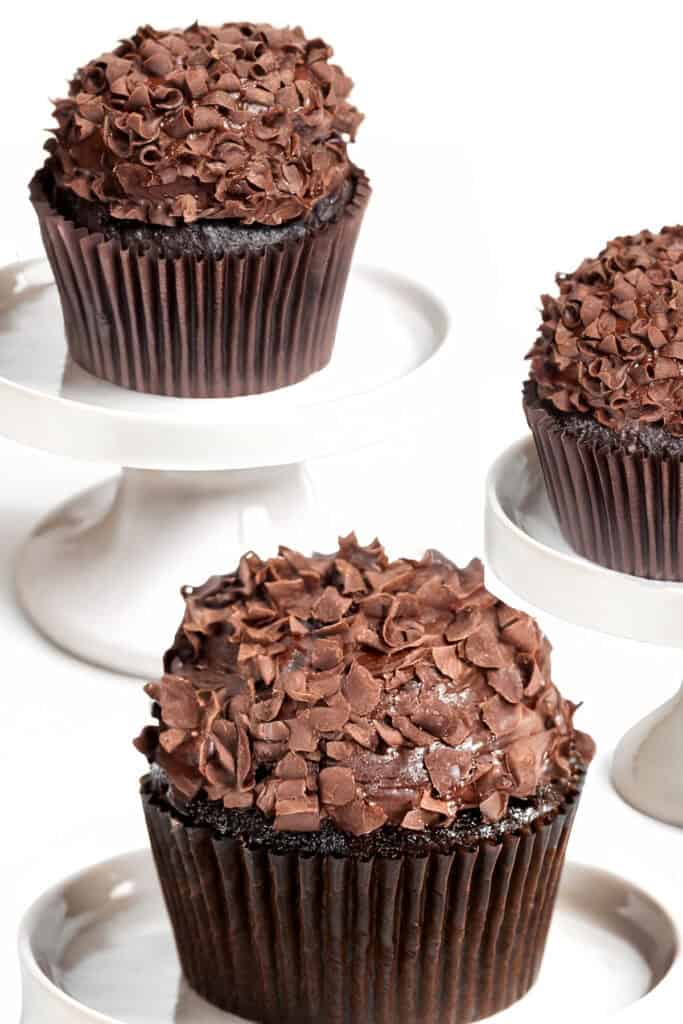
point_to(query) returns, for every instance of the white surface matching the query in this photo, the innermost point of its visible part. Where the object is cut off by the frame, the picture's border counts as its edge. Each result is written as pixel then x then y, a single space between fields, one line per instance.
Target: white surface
pixel 648 763
pixel 390 354
pixel 525 547
pixel 85 946
pixel 494 167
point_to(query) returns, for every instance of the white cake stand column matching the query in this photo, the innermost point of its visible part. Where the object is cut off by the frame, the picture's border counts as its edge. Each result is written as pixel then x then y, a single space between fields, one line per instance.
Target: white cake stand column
pixel 206 479
pixel 647 770
pixel 527 551
pixel 100 575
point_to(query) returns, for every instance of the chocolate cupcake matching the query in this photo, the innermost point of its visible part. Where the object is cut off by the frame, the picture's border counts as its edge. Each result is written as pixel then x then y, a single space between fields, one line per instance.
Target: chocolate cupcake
pixel 605 404
pixel 361 789
pixel 200 211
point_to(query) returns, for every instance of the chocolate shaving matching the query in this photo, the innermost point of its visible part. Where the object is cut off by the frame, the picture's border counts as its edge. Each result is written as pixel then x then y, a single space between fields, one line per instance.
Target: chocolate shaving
pixel 337 786
pixel 361 690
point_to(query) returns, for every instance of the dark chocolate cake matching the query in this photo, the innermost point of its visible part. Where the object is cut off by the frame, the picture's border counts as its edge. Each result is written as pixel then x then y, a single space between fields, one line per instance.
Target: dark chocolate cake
pixel 200 238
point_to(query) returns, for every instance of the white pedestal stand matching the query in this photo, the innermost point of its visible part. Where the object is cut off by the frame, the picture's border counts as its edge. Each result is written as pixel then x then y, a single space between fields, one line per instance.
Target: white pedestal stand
pixel 204 479
pixel 648 763
pixel 526 550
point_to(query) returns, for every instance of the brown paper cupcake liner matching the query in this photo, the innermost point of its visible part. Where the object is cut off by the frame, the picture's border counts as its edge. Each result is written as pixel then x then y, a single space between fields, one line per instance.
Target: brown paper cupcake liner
pixel 446 938
pixel 618 508
pixel 205 327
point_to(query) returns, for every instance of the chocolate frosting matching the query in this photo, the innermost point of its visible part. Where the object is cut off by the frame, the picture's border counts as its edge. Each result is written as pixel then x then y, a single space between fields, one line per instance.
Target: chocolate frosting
pixel 611 343
pixel 242 121
pixel 367 691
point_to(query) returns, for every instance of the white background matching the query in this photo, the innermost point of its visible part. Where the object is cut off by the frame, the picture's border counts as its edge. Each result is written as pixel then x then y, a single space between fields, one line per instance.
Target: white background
pixel 505 141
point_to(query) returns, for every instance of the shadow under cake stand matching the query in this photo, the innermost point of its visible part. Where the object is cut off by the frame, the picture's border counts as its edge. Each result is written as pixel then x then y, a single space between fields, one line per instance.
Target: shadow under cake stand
pixel 203 479
pixel 526 550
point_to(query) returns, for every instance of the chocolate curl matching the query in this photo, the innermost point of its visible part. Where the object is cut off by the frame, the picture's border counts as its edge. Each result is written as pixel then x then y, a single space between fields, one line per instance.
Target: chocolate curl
pixel 617 508
pixel 201 328
pixel 289 939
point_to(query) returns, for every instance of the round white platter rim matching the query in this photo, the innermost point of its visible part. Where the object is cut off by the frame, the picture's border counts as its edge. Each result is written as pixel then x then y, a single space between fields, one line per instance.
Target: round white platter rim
pixel 503 530
pixel 365 407
pixel 32 914
pixel 140 858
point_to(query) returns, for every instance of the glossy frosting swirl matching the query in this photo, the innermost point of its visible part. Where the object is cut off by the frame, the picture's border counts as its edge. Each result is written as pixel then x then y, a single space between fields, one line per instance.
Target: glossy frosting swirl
pixel 363 690
pixel 611 342
pixel 241 121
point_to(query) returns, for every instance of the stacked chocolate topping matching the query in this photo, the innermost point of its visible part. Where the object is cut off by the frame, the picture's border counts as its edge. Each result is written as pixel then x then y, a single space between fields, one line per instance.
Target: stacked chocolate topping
pixel 240 121
pixel 353 688
pixel 611 343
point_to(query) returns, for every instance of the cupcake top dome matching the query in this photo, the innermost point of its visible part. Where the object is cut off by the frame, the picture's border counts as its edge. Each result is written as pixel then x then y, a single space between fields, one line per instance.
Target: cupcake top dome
pixel 349 687
pixel 242 121
pixel 611 342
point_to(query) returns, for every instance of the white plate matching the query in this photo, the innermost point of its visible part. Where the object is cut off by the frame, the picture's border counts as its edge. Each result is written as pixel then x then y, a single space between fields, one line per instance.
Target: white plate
pixel 387 361
pixel 526 550
pixel 99 948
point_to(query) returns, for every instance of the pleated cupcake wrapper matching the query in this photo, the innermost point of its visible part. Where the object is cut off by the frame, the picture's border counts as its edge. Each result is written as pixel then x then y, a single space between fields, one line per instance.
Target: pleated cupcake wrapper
pixel 445 938
pixel 205 327
pixel 620 509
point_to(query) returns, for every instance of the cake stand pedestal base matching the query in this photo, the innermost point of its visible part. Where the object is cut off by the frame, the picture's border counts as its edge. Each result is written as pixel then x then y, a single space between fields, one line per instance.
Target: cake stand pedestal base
pixel 647 770
pixel 100 575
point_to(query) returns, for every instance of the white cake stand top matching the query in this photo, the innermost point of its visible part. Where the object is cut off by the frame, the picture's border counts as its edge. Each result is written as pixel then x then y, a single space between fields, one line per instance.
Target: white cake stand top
pixel 526 550
pixel 388 364
pixel 82 945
